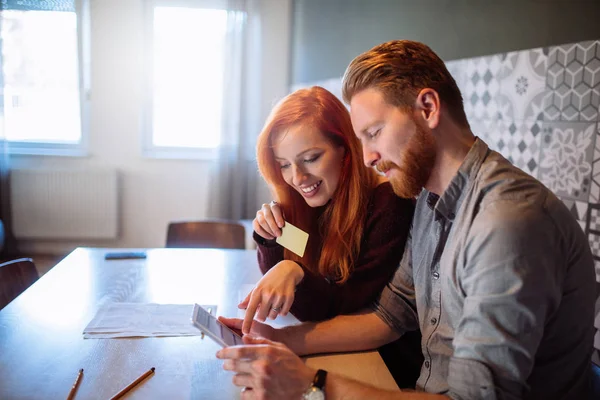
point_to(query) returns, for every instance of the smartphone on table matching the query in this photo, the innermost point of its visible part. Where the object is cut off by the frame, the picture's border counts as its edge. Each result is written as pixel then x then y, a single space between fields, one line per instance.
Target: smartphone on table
pixel 213 328
pixel 125 255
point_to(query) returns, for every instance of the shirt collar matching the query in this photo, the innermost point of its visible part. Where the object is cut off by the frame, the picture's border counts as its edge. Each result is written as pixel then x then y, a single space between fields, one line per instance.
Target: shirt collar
pixel 449 202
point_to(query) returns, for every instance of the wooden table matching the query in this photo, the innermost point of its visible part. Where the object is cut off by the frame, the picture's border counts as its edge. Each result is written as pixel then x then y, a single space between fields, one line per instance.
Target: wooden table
pixel 42 346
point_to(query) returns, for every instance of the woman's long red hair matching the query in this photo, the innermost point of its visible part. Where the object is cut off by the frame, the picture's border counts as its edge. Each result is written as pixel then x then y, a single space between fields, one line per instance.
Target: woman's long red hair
pixel 335 232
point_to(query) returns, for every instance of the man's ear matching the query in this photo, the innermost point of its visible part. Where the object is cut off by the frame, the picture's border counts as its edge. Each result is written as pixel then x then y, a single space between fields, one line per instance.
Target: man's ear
pixel 427 106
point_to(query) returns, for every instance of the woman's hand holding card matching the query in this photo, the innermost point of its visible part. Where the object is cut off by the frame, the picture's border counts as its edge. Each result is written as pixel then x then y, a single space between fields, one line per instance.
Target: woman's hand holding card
pixel 269 221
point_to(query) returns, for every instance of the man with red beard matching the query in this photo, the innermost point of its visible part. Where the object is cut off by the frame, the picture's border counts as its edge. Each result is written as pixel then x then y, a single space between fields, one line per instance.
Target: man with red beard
pixel 498 275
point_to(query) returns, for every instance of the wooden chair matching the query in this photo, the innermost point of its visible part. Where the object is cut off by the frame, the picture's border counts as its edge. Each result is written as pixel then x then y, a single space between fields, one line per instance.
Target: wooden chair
pixel 15 277
pixel 221 234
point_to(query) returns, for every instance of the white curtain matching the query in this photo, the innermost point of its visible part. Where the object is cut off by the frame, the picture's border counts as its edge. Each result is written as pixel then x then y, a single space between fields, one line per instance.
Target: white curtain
pixel 234 178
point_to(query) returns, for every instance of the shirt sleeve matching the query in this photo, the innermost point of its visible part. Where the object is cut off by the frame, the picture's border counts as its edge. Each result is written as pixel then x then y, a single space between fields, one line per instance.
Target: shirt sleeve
pixel 396 305
pixel 385 233
pixel 512 279
pixel 269 253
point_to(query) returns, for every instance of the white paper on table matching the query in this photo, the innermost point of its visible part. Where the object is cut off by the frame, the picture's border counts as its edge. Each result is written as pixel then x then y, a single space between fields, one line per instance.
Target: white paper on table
pixel 116 320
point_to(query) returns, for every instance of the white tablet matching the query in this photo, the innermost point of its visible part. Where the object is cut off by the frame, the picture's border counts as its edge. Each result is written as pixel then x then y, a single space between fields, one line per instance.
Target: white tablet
pixel 211 326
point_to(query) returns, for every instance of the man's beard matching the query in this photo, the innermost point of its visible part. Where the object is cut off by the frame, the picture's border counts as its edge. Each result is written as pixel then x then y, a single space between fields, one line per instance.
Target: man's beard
pixel 416 164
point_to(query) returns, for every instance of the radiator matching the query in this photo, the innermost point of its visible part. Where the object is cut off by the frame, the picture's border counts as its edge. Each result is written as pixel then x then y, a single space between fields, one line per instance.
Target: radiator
pixel 64 204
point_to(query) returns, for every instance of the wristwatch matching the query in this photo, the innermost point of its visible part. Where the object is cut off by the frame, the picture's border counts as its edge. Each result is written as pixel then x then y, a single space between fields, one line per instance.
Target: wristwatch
pixel 316 391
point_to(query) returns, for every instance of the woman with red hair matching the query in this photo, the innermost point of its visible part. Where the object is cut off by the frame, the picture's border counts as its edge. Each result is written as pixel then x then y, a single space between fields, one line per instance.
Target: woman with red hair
pixel 312 161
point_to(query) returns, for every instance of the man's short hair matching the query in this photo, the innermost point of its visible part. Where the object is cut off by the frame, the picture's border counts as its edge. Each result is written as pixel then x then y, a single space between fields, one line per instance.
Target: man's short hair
pixel 400 69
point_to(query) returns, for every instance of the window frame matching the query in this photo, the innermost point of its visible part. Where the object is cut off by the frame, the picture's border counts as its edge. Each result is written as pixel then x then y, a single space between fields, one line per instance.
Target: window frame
pixel 80 149
pixel 149 150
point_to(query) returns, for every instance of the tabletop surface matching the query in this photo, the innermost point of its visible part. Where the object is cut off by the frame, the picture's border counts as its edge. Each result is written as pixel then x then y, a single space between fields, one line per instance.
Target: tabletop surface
pixel 42 346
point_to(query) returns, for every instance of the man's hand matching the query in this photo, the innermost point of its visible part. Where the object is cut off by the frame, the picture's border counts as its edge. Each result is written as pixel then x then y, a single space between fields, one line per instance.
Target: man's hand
pixel 266 369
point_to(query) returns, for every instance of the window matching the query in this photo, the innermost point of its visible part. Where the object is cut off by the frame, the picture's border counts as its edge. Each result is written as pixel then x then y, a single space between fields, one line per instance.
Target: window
pixel 189 53
pixel 43 79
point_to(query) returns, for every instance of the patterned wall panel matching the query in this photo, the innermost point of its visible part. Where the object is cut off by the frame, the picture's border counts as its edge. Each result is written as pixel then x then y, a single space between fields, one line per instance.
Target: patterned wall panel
pixel 566 158
pixel 595 190
pixel 481 87
pixel 574 82
pixel 522 78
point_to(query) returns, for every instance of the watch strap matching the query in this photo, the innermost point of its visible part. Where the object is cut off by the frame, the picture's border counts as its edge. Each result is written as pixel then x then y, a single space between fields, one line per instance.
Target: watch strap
pixel 319 380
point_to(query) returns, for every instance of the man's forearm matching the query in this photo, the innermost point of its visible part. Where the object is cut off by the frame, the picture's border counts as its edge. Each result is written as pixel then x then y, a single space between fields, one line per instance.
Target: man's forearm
pixel 338 388
pixel 364 331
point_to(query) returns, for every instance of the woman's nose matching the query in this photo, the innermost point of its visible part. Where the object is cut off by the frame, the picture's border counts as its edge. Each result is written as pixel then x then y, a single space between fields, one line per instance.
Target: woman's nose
pixel 299 175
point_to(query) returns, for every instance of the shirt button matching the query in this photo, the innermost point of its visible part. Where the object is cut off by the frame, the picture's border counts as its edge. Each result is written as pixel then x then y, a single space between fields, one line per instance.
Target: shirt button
pixel 436 275
pixel 433 321
pixel 427 364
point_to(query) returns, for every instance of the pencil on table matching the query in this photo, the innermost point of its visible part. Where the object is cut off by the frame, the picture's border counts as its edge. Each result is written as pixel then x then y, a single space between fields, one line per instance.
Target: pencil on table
pixel 133 384
pixel 74 387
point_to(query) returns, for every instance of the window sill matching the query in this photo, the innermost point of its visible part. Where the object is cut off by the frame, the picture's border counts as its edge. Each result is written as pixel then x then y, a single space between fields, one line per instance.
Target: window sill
pixel 181 153
pixel 46 150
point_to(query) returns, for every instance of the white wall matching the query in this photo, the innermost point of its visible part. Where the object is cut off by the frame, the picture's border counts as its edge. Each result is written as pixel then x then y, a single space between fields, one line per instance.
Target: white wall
pixel 154 191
